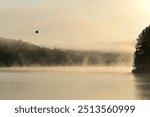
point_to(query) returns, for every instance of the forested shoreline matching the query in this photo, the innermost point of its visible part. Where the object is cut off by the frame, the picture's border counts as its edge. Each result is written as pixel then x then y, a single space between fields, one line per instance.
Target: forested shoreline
pixel 21 53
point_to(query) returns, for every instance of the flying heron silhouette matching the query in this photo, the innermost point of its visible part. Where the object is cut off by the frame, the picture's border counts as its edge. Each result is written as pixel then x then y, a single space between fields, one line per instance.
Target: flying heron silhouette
pixel 37 31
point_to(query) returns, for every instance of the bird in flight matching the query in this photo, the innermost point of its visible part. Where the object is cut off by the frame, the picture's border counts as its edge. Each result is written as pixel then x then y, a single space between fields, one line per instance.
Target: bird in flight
pixel 37 31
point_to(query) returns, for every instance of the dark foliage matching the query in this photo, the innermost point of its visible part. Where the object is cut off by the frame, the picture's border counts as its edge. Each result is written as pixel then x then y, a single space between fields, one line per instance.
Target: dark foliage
pixel 142 54
pixel 20 53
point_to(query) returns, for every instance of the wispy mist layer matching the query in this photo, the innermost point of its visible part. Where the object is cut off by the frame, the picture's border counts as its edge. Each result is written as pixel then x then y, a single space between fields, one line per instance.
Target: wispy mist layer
pixel 20 53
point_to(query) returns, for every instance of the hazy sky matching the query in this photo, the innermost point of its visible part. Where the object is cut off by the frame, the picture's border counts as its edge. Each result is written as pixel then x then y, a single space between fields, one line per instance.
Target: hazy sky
pixel 73 23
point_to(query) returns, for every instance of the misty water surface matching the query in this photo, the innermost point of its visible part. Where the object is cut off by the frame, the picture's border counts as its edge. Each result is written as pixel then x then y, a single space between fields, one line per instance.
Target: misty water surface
pixel 72 83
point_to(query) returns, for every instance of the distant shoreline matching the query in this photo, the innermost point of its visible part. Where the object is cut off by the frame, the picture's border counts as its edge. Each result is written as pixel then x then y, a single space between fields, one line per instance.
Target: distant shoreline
pixel 109 69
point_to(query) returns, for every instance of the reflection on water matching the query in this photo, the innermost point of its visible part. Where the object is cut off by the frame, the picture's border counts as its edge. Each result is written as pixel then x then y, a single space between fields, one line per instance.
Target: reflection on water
pixel 73 85
pixel 143 85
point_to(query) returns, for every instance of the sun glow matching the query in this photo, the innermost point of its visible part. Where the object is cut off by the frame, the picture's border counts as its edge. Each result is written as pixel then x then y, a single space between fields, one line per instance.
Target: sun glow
pixel 145 5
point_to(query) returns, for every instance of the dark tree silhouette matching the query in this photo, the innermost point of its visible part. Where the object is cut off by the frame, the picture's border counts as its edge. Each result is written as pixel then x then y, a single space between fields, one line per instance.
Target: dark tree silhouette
pixel 21 53
pixel 141 62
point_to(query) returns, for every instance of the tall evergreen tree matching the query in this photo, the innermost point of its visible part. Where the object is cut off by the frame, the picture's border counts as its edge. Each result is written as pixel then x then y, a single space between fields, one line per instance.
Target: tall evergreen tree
pixel 141 62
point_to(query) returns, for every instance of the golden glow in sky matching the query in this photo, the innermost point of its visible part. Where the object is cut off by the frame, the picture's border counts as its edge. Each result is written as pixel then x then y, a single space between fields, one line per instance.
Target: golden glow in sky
pixel 73 23
pixel 145 4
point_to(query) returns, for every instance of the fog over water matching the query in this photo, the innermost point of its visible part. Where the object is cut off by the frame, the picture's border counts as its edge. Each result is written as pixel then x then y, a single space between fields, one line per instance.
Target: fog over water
pixel 84 49
pixel 21 53
pixel 75 69
pixel 108 76
pixel 82 81
pixel 72 83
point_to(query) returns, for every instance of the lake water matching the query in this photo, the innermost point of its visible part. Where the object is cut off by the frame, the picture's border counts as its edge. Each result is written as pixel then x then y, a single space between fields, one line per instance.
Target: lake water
pixel 73 83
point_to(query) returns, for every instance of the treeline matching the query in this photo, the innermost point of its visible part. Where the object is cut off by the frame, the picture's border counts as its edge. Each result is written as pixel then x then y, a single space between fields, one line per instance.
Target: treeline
pixel 20 53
